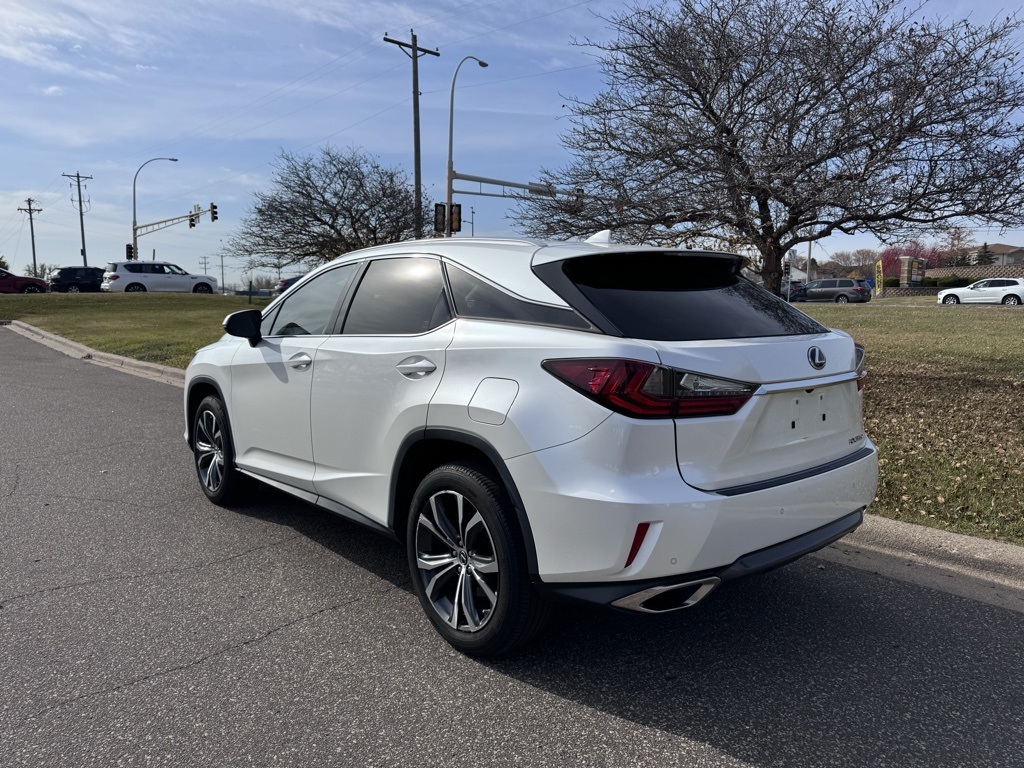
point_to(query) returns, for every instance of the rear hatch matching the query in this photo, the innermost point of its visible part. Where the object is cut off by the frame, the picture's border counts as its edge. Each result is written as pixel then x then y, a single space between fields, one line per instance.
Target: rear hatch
pixel 703 317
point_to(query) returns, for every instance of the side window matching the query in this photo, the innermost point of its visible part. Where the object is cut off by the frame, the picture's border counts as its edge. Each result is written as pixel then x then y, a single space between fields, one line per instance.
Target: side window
pixel 475 298
pixel 846 283
pixel 134 268
pixel 154 269
pixel 399 296
pixel 309 310
pixel 828 283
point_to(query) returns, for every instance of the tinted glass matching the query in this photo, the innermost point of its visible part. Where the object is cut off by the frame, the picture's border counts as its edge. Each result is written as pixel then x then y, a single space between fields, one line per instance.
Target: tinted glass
pixel 674 297
pixel 399 296
pixel 846 283
pixel 828 284
pixel 132 267
pixel 309 310
pixel 474 297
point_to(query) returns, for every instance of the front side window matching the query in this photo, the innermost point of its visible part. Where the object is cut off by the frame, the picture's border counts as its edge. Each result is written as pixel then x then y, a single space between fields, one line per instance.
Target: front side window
pixel 399 296
pixel 175 269
pixel 310 310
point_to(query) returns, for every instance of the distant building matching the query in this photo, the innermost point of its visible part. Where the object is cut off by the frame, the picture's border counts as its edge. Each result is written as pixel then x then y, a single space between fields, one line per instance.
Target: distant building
pixel 1004 254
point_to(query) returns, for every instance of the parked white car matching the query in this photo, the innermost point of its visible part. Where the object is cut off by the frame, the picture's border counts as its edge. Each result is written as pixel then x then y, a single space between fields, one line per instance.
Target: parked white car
pixel 995 290
pixel 537 421
pixel 141 276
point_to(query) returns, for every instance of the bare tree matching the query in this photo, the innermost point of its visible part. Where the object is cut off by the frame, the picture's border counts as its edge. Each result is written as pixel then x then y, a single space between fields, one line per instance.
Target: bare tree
pixel 320 207
pixel 957 245
pixel 769 123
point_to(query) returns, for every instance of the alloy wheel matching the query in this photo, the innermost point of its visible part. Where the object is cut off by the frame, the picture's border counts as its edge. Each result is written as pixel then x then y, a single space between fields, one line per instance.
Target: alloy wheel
pixel 209 451
pixel 457 562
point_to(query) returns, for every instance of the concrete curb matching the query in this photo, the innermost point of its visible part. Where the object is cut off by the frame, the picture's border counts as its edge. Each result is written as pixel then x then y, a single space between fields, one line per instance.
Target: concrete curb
pixel 879 539
pixel 163 373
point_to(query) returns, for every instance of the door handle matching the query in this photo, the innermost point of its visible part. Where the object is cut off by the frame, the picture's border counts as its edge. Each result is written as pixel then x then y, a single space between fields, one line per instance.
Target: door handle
pixel 416 367
pixel 300 362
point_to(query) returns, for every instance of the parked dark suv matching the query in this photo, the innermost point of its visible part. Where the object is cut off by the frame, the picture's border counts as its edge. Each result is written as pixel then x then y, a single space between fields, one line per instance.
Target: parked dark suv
pixel 840 290
pixel 75 279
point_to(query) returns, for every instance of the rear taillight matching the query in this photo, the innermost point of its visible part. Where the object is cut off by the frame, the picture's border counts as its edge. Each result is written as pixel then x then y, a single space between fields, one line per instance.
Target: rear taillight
pixel 862 371
pixel 649 391
pixel 113 277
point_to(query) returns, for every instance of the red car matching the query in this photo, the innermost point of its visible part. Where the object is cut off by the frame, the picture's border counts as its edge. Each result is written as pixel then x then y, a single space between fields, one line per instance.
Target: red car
pixel 13 284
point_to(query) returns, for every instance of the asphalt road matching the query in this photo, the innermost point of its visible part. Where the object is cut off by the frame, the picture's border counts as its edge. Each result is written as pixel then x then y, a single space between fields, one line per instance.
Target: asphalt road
pixel 142 626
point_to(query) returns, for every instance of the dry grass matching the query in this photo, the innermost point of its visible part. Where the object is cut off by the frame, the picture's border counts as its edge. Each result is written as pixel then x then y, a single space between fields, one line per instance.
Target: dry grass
pixel 944 404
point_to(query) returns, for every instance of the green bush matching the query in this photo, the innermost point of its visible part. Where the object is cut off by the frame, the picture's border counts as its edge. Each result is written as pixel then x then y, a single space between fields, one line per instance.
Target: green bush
pixel 929 282
pixel 890 282
pixel 953 281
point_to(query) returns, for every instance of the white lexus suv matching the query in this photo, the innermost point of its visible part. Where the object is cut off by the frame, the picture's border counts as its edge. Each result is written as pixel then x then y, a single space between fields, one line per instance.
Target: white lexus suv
pixel 541 421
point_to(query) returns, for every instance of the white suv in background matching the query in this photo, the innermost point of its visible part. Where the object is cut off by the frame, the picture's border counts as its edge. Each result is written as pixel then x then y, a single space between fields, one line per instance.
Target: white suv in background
pixel 995 290
pixel 538 421
pixel 141 276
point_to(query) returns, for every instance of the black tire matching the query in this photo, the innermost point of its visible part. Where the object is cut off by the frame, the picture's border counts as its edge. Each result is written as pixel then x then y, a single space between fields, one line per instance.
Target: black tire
pixel 73 289
pixel 214 453
pixel 500 611
pixel 202 288
pixel 31 288
pixel 842 299
pixel 1011 300
pixel 950 300
pixel 135 288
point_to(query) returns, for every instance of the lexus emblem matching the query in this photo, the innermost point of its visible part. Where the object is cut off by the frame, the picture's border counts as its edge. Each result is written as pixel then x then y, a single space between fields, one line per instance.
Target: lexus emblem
pixel 816 358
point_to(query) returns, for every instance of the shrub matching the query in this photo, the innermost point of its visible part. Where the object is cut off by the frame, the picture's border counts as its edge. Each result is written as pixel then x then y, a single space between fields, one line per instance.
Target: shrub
pixel 890 282
pixel 929 282
pixel 954 281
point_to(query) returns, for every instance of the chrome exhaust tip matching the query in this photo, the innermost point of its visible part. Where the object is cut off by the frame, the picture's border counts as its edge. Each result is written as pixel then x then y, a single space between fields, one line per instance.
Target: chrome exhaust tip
pixel 674 597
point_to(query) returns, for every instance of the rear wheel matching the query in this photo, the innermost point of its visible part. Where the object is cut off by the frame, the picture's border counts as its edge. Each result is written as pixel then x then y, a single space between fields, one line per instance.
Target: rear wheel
pixel 950 300
pixel 1011 300
pixel 468 564
pixel 841 299
pixel 214 453
pixel 135 288
pixel 73 289
pixel 202 288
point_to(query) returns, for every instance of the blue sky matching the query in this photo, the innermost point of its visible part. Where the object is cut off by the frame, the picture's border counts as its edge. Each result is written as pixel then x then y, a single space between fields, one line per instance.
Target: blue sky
pixel 99 87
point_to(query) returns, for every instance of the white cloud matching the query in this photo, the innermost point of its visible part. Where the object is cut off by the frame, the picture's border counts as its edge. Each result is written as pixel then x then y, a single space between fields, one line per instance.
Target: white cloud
pixel 53 90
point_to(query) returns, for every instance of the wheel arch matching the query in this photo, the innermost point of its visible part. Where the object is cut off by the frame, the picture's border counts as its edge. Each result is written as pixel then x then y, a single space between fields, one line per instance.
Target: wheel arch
pixel 426 450
pixel 199 388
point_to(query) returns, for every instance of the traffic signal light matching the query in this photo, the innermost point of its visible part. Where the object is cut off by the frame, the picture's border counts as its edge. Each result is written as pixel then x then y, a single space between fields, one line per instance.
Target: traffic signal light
pixel 129 251
pixel 785 268
pixel 213 211
pixel 191 221
pixel 439 218
pixel 456 217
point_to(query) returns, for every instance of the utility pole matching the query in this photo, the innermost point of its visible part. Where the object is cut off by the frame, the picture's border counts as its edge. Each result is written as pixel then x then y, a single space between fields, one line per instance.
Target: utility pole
pixel 32 229
pixel 204 262
pixel 414 53
pixel 81 209
pixel 472 221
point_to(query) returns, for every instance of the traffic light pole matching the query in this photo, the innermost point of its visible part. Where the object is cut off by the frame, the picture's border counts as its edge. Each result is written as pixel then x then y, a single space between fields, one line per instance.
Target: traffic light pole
pixel 192 217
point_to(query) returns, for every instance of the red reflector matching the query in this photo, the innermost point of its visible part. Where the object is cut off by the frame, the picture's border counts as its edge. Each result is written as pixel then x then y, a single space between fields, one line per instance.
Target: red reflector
pixel 638 540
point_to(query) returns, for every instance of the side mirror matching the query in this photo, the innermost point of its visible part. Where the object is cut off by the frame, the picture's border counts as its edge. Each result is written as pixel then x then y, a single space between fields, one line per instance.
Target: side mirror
pixel 245 325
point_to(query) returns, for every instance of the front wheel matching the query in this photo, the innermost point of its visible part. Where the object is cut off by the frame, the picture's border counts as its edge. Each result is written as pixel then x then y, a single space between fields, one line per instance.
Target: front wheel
pixel 950 300
pixel 202 288
pixel 214 452
pixel 31 289
pixel 1011 300
pixel 468 565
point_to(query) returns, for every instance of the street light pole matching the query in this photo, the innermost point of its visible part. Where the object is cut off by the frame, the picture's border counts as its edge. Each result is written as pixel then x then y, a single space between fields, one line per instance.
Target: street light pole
pixel 135 222
pixel 451 168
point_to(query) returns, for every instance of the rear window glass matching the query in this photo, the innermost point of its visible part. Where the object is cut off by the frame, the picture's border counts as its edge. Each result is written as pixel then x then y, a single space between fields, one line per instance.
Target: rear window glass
pixel 475 298
pixel 681 297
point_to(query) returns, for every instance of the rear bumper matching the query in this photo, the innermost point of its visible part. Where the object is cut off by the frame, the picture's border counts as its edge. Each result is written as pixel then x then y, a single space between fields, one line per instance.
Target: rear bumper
pixel 683 591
